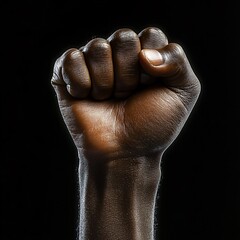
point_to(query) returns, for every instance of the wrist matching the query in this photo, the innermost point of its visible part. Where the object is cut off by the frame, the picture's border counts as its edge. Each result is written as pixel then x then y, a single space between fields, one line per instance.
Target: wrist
pixel 120 193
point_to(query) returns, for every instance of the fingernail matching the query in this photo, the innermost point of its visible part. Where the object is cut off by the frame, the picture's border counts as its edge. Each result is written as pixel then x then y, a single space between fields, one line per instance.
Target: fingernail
pixel 153 56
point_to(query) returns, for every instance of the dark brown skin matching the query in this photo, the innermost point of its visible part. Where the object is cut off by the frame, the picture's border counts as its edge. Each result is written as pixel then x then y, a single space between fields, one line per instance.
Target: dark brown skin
pixel 124 101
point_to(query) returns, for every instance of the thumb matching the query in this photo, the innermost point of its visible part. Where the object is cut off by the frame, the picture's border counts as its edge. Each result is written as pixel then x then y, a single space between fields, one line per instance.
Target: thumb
pixel 171 64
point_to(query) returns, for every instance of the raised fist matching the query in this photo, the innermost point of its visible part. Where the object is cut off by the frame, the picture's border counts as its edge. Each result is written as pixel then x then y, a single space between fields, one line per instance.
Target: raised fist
pixel 127 95
pixel 124 100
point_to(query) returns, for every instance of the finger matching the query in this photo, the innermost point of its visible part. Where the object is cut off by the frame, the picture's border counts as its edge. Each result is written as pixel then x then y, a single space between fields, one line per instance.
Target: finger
pixel 151 38
pixel 58 82
pixel 171 64
pixel 75 74
pixel 125 46
pixel 57 78
pixel 98 57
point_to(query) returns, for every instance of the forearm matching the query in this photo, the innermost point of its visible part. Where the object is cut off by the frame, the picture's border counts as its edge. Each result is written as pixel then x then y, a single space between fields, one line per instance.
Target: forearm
pixel 117 198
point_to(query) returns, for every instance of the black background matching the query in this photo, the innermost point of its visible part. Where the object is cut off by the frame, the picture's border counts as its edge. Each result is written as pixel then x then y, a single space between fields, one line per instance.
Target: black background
pixel 199 195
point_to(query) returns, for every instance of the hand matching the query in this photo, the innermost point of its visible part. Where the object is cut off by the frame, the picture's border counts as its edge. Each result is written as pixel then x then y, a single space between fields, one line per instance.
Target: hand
pixel 125 97
pixel 128 95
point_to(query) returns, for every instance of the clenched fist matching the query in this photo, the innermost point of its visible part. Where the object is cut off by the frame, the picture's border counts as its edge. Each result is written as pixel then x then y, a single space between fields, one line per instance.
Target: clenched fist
pixel 128 95
pixel 124 100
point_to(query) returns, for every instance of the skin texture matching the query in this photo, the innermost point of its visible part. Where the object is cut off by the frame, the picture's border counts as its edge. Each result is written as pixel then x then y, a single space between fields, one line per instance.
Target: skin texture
pixel 124 100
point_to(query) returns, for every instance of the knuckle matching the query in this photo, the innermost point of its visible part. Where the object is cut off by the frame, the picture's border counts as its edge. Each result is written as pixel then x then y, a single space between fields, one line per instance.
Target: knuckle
pixel 70 55
pixel 122 35
pixel 177 50
pixel 154 31
pixel 97 46
pixel 96 42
